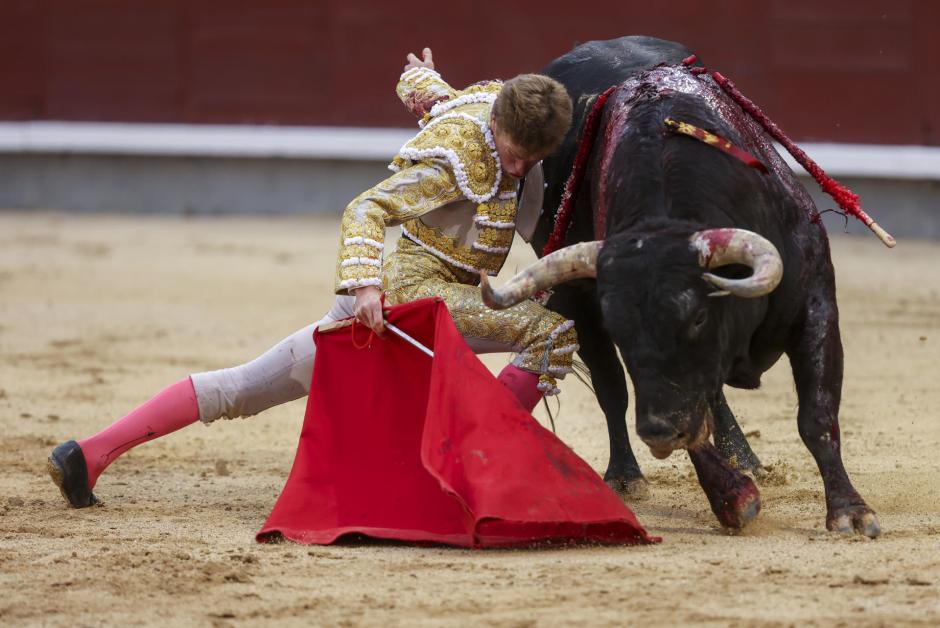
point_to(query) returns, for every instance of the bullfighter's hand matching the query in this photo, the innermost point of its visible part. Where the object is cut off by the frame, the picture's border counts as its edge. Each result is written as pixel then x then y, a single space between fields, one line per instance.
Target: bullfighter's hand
pixel 368 308
pixel 415 62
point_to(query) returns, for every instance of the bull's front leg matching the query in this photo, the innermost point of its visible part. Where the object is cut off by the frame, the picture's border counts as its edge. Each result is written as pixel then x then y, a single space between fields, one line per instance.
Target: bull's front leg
pixel 732 495
pixel 623 471
pixel 731 442
pixel 816 361
pixel 597 350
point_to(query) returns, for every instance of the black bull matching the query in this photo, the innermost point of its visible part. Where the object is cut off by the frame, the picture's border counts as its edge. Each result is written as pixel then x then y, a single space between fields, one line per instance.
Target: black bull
pixel 646 193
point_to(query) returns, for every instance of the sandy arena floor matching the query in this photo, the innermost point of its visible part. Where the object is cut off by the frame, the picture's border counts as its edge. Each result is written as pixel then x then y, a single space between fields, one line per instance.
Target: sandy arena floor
pixel 99 312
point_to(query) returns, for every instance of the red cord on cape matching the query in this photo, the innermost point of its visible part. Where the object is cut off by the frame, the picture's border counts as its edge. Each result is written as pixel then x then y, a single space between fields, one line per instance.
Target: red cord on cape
pixel 352 335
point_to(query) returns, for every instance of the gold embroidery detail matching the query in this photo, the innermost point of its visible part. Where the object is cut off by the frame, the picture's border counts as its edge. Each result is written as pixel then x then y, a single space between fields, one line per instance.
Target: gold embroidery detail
pixel 444 246
pixel 403 196
pixel 490 87
pixel 495 237
pixel 413 273
pixel 421 89
pixel 465 139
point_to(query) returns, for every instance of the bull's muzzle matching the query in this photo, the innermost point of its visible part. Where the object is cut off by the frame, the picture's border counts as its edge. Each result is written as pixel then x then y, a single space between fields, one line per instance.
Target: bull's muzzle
pixel 660 435
pixel 664 435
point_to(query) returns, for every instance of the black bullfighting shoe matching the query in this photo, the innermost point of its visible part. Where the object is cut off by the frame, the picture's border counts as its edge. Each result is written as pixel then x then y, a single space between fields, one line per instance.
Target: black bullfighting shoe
pixel 67 468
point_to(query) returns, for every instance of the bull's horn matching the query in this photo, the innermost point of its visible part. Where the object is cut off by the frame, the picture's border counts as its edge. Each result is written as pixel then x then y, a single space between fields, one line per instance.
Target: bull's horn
pixel 571 262
pixel 718 247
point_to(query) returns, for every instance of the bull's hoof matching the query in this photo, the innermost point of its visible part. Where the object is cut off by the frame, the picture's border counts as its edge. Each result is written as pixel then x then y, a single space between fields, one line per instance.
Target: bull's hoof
pixel 761 474
pixel 740 508
pixel 629 488
pixel 860 519
pixel 733 496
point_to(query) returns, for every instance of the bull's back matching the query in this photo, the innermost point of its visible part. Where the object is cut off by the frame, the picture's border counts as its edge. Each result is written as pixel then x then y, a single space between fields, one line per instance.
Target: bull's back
pixel 586 71
pixel 594 66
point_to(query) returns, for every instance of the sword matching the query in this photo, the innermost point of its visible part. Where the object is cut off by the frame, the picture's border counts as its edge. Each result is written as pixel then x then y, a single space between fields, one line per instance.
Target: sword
pixel 328 327
pixel 408 338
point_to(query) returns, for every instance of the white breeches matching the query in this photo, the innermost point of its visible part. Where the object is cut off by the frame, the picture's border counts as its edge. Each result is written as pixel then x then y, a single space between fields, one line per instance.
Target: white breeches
pixel 280 374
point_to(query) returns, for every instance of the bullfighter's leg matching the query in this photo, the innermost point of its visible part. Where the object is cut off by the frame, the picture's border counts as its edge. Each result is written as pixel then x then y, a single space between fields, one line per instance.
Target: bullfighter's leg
pixel 609 380
pixel 279 375
pixel 731 442
pixel 543 341
pixel 816 360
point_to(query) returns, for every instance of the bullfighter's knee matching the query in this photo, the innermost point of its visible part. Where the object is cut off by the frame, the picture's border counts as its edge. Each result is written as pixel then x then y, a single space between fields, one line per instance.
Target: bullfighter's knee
pixel 280 375
pixel 551 352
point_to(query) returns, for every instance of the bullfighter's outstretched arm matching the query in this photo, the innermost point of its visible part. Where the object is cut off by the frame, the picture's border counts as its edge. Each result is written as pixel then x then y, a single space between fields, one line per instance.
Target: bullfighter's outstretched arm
pixel 420 86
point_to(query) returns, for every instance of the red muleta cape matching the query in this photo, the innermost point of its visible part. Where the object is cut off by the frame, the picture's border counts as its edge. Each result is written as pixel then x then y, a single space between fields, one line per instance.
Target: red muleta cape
pixel 397 445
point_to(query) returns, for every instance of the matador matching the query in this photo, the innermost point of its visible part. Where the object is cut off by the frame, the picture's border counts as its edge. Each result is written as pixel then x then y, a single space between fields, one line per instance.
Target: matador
pixel 456 194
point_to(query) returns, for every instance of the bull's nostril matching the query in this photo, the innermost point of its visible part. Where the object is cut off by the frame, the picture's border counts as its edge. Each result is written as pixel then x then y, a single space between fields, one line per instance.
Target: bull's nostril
pixel 656 429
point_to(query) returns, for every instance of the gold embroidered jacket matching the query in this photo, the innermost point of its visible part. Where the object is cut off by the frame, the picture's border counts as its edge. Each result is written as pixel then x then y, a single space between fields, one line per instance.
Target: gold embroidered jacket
pixel 452 166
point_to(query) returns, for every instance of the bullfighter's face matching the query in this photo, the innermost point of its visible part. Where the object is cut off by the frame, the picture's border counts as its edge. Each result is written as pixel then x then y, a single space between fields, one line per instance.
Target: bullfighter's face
pixel 516 162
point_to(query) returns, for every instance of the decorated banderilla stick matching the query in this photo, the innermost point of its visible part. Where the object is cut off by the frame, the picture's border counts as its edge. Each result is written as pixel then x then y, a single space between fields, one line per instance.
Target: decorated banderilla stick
pixel 846 199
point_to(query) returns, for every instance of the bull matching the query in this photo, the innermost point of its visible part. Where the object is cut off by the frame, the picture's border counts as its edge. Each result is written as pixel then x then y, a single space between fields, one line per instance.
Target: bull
pixel 701 270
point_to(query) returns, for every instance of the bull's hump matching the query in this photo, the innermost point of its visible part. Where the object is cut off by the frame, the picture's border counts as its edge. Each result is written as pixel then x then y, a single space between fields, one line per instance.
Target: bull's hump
pixel 676 79
pixel 622 56
pixel 592 67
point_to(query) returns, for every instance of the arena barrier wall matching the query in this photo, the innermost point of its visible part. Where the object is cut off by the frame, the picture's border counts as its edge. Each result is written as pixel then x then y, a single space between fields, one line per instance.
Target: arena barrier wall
pixel 242 169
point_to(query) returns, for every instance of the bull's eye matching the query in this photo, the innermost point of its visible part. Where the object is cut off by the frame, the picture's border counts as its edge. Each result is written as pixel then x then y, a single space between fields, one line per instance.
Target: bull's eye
pixel 701 317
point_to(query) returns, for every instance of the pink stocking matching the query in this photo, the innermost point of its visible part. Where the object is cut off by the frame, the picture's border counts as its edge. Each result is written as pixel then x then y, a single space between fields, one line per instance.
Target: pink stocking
pixel 172 408
pixel 523 384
